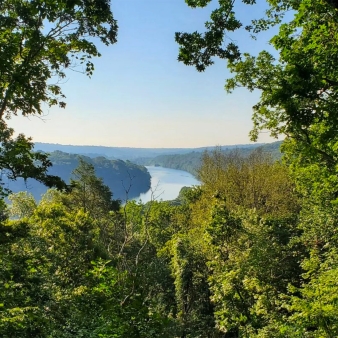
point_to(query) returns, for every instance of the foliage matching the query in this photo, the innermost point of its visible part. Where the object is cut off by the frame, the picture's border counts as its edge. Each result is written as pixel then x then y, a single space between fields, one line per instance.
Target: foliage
pixel 298 91
pixel 39 40
pixel 17 159
pixel 250 278
pixel 255 182
pixel 125 179
pixel 58 279
pixel 22 204
pixel 192 161
pixel 298 100
pixel 89 193
pixel 252 252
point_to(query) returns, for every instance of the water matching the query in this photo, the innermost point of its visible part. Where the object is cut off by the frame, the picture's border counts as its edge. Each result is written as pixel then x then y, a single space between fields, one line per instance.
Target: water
pixel 166 184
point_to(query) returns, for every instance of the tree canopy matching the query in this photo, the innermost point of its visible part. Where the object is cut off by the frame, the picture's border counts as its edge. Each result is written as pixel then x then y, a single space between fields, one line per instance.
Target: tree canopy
pixel 298 101
pixel 298 89
pixel 252 252
pixel 39 42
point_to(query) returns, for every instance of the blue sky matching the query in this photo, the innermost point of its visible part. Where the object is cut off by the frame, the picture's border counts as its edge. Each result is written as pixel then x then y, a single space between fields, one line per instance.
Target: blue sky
pixel 141 96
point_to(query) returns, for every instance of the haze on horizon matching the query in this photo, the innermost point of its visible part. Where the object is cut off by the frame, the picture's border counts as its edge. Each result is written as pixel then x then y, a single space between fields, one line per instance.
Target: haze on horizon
pixel 141 96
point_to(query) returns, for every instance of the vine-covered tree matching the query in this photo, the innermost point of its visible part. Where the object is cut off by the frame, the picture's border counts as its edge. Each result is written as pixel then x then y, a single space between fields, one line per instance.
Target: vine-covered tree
pixel 299 101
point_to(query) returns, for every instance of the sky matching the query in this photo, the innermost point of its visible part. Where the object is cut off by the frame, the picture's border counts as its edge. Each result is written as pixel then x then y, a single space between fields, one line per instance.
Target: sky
pixel 141 96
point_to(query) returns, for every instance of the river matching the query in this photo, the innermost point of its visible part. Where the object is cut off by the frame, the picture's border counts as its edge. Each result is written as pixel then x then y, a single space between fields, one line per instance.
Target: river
pixel 166 184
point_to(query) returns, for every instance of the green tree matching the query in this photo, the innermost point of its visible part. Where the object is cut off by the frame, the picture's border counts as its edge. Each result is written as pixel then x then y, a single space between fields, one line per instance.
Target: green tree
pixel 90 193
pixel 299 100
pixel 251 182
pixel 58 280
pixel 253 262
pixel 298 90
pixel 54 282
pixel 22 204
pixel 17 159
pixel 195 311
pixel 39 41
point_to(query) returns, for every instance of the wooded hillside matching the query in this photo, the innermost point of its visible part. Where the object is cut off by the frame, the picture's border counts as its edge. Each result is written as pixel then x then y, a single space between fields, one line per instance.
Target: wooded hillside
pixel 124 179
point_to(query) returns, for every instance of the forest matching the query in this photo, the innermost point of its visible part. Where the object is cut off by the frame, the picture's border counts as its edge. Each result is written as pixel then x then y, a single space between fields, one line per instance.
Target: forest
pixel 125 179
pixel 252 252
pixel 192 161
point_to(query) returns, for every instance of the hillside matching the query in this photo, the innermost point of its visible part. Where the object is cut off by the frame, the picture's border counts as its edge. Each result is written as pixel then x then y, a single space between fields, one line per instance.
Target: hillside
pixel 125 153
pixel 118 175
pixel 190 162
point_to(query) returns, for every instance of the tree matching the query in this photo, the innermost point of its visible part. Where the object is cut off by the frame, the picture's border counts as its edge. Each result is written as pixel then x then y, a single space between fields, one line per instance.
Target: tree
pixel 58 279
pixel 299 90
pixel 17 159
pixel 89 192
pixel 22 204
pixel 54 281
pixel 299 100
pixel 39 41
pixel 250 182
pixel 253 262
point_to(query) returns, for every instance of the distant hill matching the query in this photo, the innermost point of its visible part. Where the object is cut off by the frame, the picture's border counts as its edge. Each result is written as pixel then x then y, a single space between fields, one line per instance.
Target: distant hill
pixel 191 161
pixel 118 175
pixel 125 153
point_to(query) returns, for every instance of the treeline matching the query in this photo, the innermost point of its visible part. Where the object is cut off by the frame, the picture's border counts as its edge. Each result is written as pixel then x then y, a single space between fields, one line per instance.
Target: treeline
pixel 124 178
pixel 124 153
pixel 246 254
pixel 192 161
